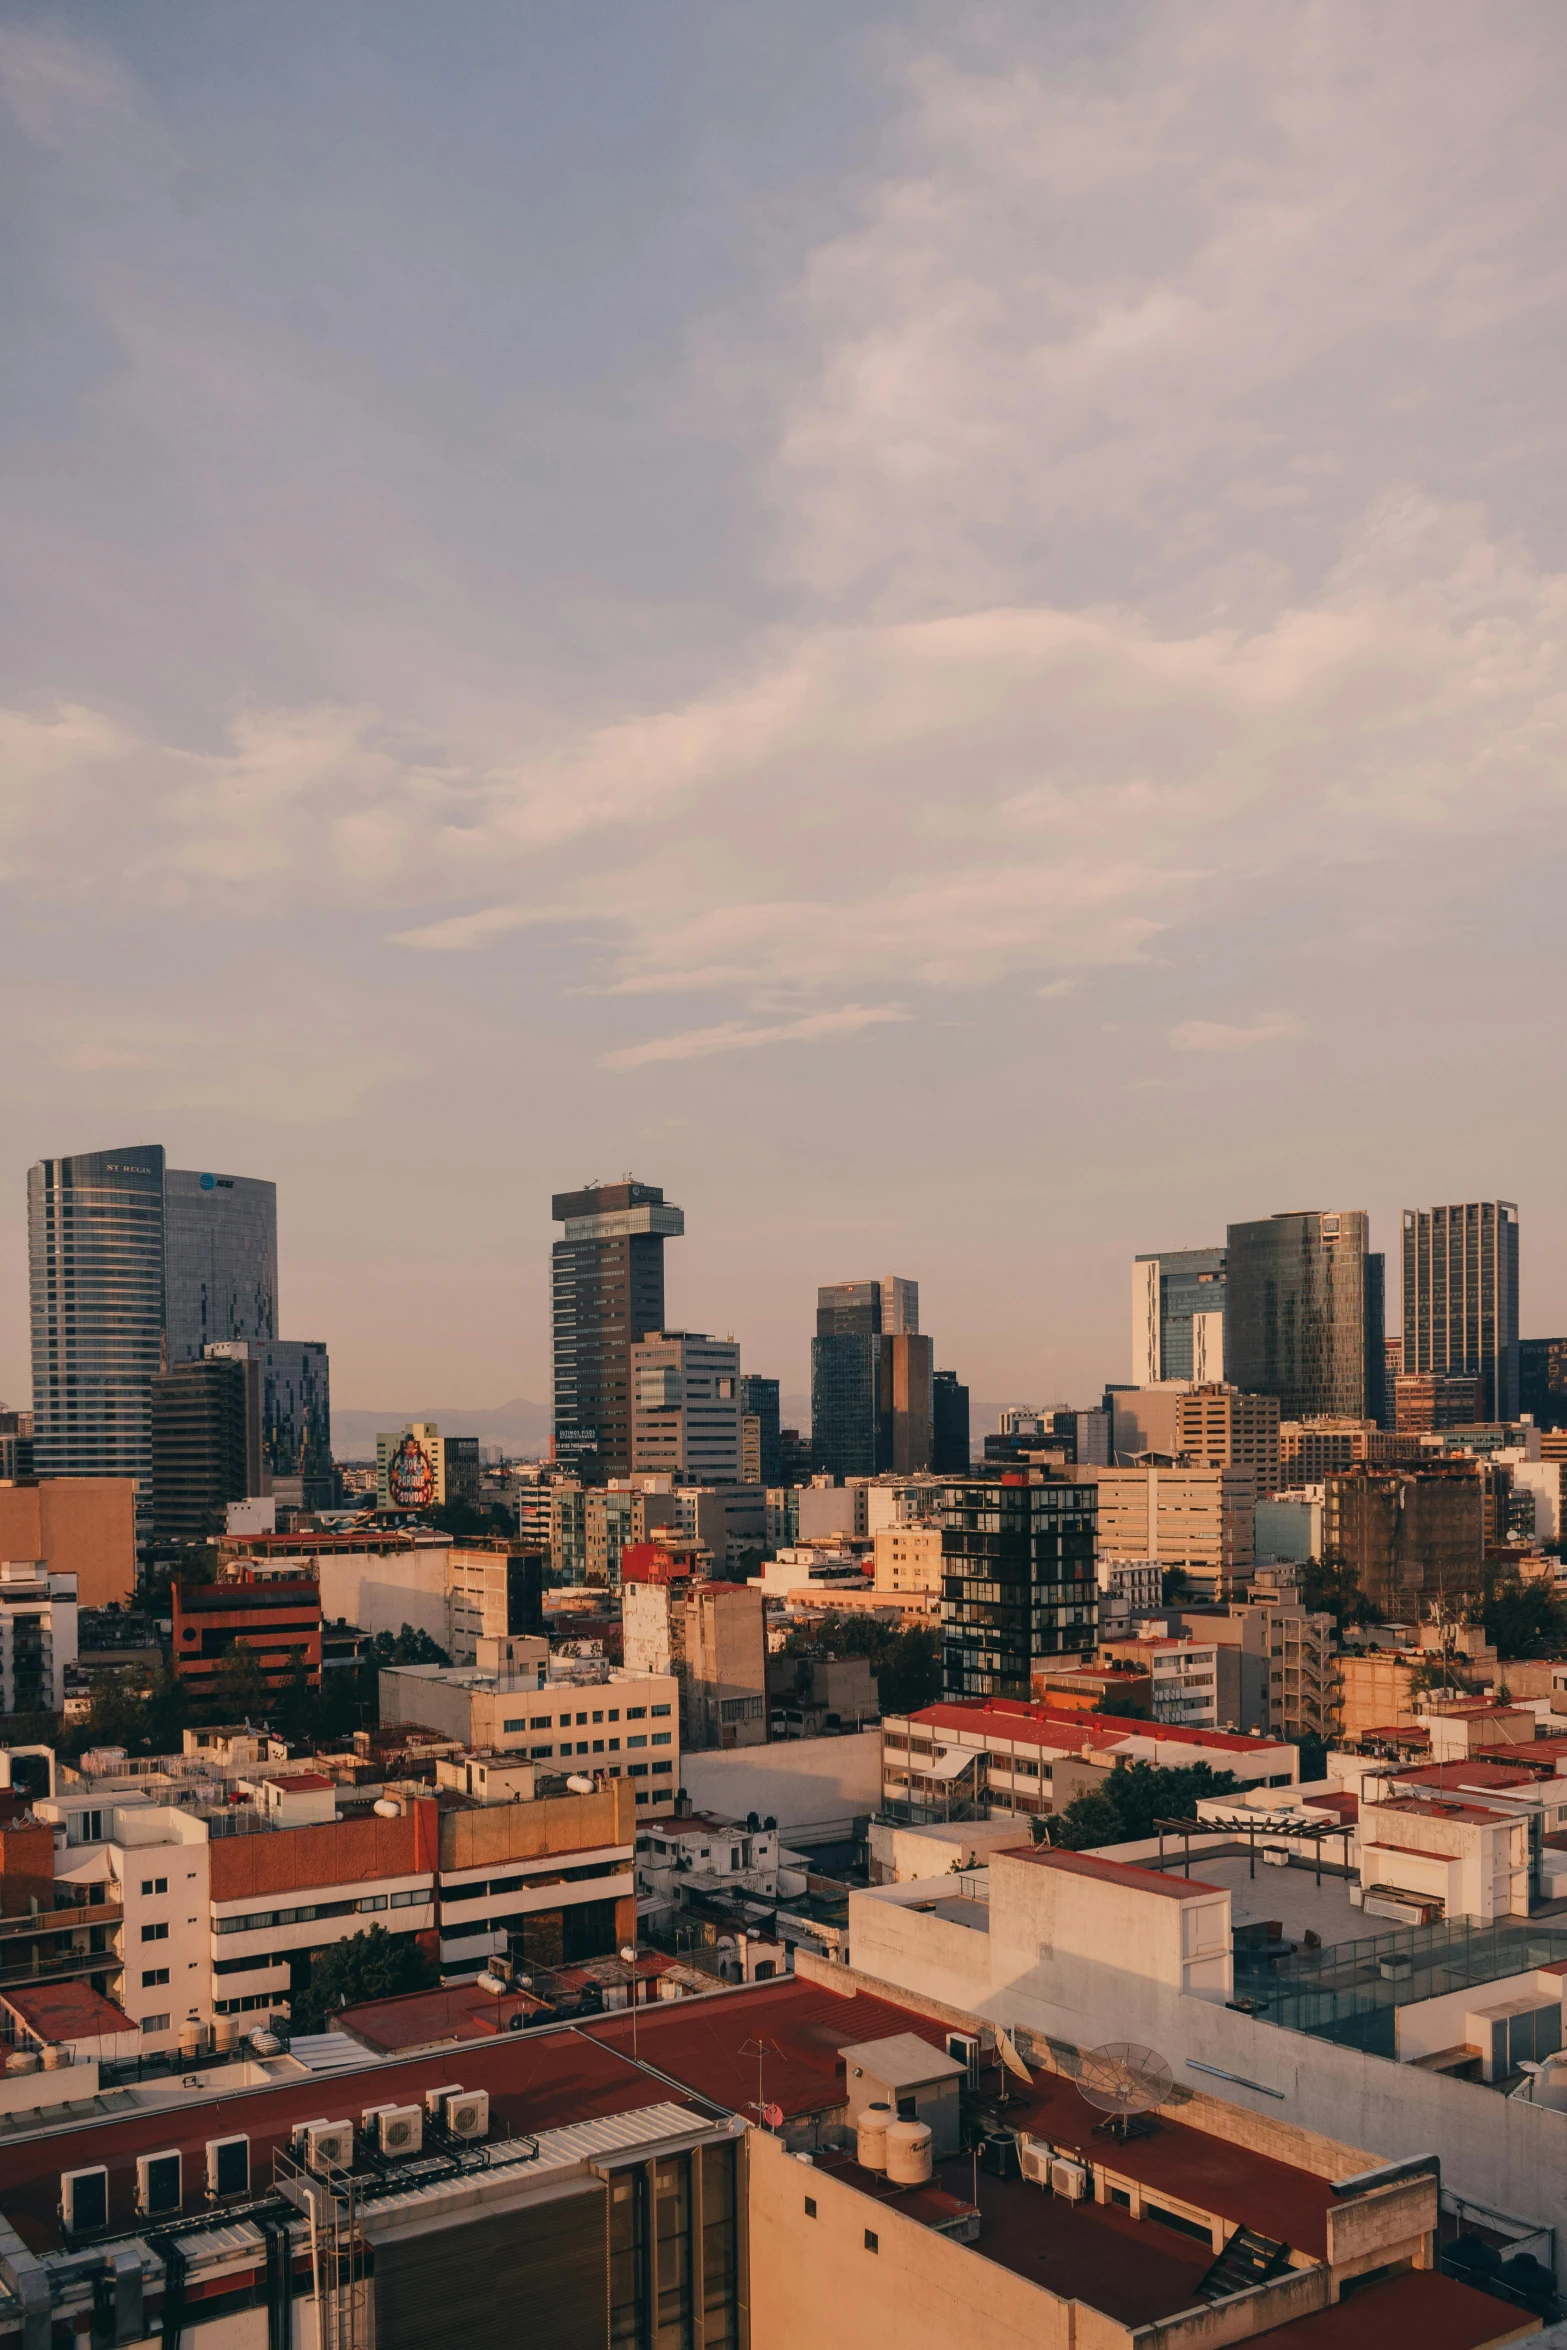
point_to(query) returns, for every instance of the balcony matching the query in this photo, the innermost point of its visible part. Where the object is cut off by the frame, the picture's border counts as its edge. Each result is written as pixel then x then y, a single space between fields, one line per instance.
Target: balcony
pixel 73 1917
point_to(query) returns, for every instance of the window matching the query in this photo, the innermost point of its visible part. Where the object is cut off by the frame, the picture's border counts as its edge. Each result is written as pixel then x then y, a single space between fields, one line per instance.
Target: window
pixel 636 1770
pixel 372 1901
pixel 582 1746
pixel 598 1745
pixel 154 2023
pixel 598 1717
pixel 614 1746
pixel 155 1884
pixel 614 1713
pixel 666 1768
pixel 518 1724
pixel 152 1976
pixel 872 2240
pixel 659 1709
pixel 639 1740
pixel 661 1737
pixel 539 1721
pixel 582 1723
pixel 810 2206
pixel 636 1713
pixel 157 1933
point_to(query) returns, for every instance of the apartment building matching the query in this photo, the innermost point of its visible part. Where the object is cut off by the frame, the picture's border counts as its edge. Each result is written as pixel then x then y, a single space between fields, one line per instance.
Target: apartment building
pixel 685 1405
pixel 625 1513
pixel 378 1579
pixel 960 1760
pixel 495 1590
pixel 908 1557
pixel 585 1717
pixel 278 1620
pixel 1201 1521
pixel 38 1636
pixel 1409 1535
pixel 1216 1427
pixel 81 1526
pixel 1127 1588
pixel 710 1637
pixel 1183 1674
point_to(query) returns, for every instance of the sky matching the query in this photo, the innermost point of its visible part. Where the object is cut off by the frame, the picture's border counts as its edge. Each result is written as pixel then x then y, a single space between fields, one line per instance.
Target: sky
pixel 942 630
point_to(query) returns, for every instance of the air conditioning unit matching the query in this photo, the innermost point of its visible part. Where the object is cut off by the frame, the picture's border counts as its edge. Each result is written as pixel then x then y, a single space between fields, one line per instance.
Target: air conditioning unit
pixel 1035 2157
pixel 329 2146
pixel 84 2199
pixel 158 2184
pixel 963 2048
pixel 228 2167
pixel 435 2099
pixel 468 2113
pixel 1069 2180
pixel 399 2129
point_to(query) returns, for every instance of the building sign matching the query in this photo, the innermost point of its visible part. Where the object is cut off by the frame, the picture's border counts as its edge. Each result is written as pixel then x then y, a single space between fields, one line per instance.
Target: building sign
pixel 410 1478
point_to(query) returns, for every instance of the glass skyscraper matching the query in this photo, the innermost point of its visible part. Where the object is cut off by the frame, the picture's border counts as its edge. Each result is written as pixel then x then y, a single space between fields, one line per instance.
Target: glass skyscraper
pixel 1178 1316
pixel 95 1245
pixel 220 1277
pixel 1461 1297
pixel 606 1292
pixel 1304 1314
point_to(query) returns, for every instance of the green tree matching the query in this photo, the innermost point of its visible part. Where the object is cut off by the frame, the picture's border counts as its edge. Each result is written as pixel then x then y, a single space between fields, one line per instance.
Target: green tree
pixel 1524 1619
pixel 1123 1809
pixel 1330 1586
pixel 1117 1702
pixel 1174 1586
pixel 238 1690
pixel 906 1665
pixel 373 1965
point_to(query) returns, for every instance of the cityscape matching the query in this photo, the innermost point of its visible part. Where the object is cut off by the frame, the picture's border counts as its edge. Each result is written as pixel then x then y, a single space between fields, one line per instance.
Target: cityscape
pixel 791 1557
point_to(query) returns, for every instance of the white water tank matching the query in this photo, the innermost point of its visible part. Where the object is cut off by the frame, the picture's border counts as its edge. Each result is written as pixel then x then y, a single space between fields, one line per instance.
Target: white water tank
pixel 580 1784
pixel 22 2060
pixel 908 2153
pixel 225 2034
pixel 56 2054
pixel 191 2037
pixel 386 1809
pixel 870 2147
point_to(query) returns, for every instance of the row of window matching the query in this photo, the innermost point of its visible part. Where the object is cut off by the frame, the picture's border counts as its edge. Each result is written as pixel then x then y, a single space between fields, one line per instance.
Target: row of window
pixel 597 1745
pixel 634 1713
pixel 258 1920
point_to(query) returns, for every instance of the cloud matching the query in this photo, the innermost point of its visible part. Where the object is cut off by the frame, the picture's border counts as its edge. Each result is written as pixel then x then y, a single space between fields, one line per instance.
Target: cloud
pixel 730 1036
pixel 1218 1036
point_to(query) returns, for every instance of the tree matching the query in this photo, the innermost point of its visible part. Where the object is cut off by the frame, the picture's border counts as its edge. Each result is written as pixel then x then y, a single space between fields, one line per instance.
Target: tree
pixel 411 1646
pixel 1524 1619
pixel 1330 1586
pixel 373 1965
pixel 1116 1701
pixel 238 1690
pixel 1124 1808
pixel 1174 1586
pixel 906 1665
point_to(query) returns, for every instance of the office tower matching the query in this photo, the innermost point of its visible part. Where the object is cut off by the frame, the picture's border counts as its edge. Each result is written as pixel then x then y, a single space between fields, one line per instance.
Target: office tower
pixel 206 1444
pixel 949 1426
pixel 1219 1428
pixel 220 1261
pixel 607 1291
pixel 1302 1314
pixel 1542 1381
pixel 1392 1365
pixel 685 1406
pixel 1018 1580
pixel 905 1434
pixel 846 1378
pixel 1178 1302
pixel 95 1263
pixel 900 1306
pixel 759 1430
pixel 1461 1296
pixel 296 1419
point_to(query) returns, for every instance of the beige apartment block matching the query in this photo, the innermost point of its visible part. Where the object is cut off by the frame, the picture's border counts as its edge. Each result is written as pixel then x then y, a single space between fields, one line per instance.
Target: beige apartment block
pixel 1216 1427
pixel 711 1637
pixel 1200 1520
pixel 82 1526
pixel 908 1558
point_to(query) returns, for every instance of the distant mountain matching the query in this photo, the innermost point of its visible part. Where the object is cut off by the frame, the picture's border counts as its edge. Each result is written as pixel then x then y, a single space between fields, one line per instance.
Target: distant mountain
pixel 519 1427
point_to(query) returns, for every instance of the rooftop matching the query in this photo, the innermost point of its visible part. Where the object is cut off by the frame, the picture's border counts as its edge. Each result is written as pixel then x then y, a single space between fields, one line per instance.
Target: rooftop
pixel 66 2011
pixel 1419 2306
pixel 435 2019
pixel 904 2061
pixel 1035 1724
pixel 1109 1872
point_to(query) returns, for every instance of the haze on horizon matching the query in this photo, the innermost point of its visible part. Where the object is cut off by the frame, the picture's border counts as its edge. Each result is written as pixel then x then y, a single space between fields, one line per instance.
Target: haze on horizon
pixel 948 637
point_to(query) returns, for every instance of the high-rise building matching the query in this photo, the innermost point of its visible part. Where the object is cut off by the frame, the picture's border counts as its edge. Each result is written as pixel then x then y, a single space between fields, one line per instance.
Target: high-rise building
pixel 607 1292
pixel 759 1412
pixel 1018 1581
pixel 867 1346
pixel 296 1419
pixel 206 1444
pixel 1461 1297
pixel 1303 1318
pixel 95 1260
pixel 949 1425
pixel 904 1442
pixel 685 1406
pixel 220 1261
pixel 1178 1300
pixel 1542 1381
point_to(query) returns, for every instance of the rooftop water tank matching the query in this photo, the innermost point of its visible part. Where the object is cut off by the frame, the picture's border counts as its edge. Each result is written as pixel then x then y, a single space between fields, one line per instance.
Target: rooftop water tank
pixel 56 2054
pixel 908 2153
pixel 870 2137
pixel 386 1809
pixel 265 2043
pixel 22 2060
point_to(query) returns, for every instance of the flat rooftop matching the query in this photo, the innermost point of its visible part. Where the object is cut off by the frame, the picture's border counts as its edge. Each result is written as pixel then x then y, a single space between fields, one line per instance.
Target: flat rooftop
pixel 1290 1895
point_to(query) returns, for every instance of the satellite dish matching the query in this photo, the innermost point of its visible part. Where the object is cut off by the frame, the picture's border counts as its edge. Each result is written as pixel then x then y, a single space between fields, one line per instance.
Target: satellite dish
pixel 1122 2079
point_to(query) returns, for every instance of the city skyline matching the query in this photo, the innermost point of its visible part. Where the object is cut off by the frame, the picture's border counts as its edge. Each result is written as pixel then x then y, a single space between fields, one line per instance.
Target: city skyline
pixel 1019 605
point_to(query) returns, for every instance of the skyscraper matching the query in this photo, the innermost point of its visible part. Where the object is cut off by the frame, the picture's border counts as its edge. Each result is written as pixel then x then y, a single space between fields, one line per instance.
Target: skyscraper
pixel 1178 1316
pixel 907 1403
pixel 206 1444
pixel 1303 1314
pixel 870 1378
pixel 95 1263
pixel 607 1291
pixel 949 1428
pixel 1018 1584
pixel 759 1416
pixel 220 1261
pixel 1461 1297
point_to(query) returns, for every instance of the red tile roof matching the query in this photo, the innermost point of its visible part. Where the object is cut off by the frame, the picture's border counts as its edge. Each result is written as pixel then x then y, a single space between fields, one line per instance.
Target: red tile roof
pixel 1469 1774
pixel 1107 1872
pixel 1016 1717
pixel 304 1783
pixel 1420 2306
pixel 66 2011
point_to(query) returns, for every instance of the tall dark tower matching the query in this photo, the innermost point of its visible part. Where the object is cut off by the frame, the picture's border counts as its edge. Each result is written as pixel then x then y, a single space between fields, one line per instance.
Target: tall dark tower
pixel 606 1292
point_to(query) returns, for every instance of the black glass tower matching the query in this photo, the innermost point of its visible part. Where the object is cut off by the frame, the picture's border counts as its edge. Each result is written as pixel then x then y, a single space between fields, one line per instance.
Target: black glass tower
pixel 759 1402
pixel 606 1292
pixel 1018 1586
pixel 1461 1297
pixel 1303 1314
pixel 950 1454
pixel 846 1378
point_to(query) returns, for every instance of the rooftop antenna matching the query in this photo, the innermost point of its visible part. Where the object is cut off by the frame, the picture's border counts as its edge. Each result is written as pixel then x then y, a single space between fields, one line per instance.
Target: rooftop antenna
pixel 1124 2079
